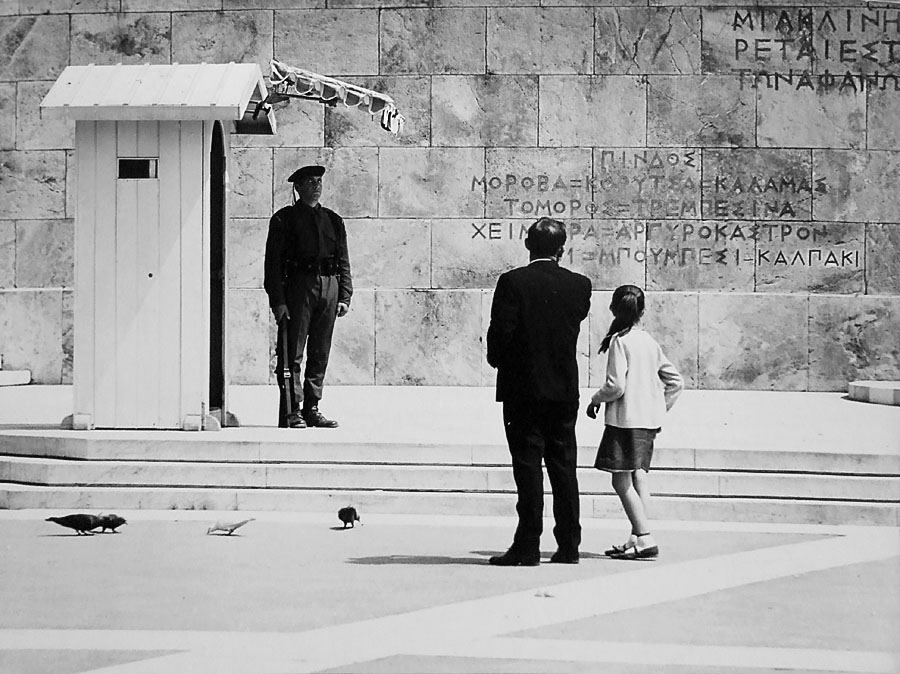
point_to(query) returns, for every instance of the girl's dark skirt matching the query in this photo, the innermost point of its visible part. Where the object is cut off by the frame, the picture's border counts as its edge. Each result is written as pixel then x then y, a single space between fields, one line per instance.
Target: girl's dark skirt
pixel 624 449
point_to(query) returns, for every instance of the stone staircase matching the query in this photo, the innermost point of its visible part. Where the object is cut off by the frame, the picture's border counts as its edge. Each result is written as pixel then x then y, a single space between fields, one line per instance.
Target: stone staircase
pixel 121 470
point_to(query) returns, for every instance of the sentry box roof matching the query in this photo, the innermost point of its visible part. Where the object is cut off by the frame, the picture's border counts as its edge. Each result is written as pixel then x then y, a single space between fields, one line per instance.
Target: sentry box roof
pixel 222 91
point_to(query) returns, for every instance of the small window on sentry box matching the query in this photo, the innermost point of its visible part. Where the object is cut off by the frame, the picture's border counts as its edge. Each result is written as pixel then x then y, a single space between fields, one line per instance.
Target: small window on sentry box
pixel 137 169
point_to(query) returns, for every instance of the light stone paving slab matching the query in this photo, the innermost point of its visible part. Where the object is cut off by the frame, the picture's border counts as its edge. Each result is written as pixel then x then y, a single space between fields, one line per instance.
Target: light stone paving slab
pixel 251 183
pixel 539 40
pixel 34 318
pixel 844 344
pixel 7 250
pixel 443 40
pixel 670 655
pixel 33 132
pixel 883 258
pixel 8 120
pixel 390 253
pixel 861 185
pixel 883 128
pixel 29 48
pixel 484 110
pixel 647 40
pixel 810 118
pixel 737 350
pixel 700 110
pixel 111 38
pixel 352 359
pixel 45 253
pixel 223 37
pixel 480 627
pixel 337 42
pixel 570 106
pixel 32 183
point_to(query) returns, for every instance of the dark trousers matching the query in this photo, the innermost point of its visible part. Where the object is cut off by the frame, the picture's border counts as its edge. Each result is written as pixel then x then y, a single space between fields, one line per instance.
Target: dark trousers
pixel 537 430
pixel 312 305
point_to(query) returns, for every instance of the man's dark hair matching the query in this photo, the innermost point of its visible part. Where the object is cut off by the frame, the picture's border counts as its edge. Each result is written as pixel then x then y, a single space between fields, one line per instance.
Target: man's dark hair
pixel 545 237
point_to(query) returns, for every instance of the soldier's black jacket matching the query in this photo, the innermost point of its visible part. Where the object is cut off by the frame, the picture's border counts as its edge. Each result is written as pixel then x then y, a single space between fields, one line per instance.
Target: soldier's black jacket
pixel 300 233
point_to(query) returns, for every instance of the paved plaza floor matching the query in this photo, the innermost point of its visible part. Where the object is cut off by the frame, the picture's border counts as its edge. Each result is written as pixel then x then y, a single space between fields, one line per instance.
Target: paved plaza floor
pixel 291 593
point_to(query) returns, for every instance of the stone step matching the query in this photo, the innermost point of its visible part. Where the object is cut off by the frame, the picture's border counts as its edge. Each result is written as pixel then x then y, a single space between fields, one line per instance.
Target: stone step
pixel 432 478
pixel 275 447
pixel 760 510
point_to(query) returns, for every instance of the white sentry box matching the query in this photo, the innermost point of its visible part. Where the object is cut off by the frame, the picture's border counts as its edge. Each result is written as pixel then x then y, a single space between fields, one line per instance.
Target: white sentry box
pixel 152 150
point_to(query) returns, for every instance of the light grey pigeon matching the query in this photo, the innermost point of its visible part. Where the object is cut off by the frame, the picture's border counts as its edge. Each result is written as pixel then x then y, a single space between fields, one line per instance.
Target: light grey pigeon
pixel 227 527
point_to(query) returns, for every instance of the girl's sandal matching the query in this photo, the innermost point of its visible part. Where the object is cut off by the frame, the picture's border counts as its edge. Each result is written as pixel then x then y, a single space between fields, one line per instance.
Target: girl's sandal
pixel 634 553
pixel 616 550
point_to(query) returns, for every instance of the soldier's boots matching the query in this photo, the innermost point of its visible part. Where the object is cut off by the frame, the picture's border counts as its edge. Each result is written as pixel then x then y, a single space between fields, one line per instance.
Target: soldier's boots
pixel 315 419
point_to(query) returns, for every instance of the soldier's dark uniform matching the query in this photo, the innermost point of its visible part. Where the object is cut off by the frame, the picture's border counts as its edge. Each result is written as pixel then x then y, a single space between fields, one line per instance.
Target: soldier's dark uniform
pixel 307 268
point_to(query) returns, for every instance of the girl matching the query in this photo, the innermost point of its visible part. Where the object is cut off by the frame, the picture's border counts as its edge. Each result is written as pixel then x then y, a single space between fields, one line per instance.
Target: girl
pixel 641 386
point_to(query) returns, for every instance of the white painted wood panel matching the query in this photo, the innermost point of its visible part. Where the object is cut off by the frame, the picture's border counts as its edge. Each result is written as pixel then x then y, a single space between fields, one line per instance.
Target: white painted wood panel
pixel 127 217
pixel 193 272
pixel 206 286
pixel 85 225
pixel 104 194
pixel 149 348
pixel 169 281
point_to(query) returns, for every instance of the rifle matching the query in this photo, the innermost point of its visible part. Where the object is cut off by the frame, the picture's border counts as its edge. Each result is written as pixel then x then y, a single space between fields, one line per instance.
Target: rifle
pixel 287 377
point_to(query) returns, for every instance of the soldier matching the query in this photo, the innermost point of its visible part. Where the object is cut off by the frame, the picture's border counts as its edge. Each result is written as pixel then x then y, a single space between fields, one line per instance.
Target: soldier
pixel 307 279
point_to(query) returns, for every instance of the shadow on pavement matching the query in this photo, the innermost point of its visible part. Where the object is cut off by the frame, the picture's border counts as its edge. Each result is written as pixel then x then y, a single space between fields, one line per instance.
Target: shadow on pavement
pixel 418 559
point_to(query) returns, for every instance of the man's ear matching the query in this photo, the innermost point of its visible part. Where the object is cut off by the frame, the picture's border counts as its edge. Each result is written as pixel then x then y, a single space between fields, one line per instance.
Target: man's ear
pixel 527 244
pixel 560 252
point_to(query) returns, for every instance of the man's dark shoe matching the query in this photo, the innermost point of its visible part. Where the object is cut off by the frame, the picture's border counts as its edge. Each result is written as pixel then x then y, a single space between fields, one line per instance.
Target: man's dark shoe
pixel 296 421
pixel 564 557
pixel 315 419
pixel 511 558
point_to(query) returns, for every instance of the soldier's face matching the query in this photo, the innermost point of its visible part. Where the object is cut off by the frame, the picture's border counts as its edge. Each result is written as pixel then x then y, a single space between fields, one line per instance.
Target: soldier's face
pixel 310 189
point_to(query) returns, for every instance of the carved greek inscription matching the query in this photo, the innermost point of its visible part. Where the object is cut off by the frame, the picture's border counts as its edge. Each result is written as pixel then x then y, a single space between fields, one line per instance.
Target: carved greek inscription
pixel 688 244
pixel 854 49
pixel 651 184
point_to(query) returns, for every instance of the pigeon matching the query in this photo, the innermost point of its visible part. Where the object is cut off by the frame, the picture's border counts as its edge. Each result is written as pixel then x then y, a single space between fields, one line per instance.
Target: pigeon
pixel 111 522
pixel 80 522
pixel 348 515
pixel 228 527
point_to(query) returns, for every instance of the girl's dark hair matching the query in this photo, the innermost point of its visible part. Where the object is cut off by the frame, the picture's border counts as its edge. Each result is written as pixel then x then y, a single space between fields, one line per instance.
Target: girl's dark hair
pixel 627 307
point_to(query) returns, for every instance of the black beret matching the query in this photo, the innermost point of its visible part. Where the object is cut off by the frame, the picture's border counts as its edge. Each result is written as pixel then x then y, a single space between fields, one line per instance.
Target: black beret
pixel 306 172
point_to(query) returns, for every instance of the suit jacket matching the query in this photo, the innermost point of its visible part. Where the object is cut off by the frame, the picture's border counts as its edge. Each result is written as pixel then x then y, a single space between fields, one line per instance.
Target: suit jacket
pixel 535 319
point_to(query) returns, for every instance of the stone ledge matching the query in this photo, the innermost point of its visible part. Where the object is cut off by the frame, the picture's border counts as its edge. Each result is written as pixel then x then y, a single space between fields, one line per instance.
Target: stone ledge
pixel 880 392
pixel 15 377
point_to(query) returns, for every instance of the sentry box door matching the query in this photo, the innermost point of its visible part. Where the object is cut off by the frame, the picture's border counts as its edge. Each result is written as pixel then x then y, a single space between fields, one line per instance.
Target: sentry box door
pixel 141 335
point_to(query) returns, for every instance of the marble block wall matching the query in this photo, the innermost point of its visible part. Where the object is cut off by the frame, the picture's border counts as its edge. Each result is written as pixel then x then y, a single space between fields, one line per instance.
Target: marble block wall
pixel 740 162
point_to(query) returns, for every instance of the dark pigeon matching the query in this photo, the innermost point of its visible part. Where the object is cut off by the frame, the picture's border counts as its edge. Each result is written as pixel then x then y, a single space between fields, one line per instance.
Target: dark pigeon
pixel 80 522
pixel 111 522
pixel 348 515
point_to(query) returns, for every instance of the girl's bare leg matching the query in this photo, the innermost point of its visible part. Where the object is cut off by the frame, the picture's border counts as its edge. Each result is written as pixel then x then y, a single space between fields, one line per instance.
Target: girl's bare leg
pixel 641 486
pixel 624 484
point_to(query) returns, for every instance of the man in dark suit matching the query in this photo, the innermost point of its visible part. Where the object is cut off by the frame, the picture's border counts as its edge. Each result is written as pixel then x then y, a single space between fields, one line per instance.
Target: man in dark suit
pixel 535 319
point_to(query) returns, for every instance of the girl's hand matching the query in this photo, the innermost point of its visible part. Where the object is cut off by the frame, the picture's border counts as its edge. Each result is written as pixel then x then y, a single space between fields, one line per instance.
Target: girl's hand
pixel 592 410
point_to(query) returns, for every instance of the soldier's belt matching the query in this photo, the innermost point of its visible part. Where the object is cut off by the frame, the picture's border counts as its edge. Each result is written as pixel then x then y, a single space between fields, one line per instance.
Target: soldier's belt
pixel 324 267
